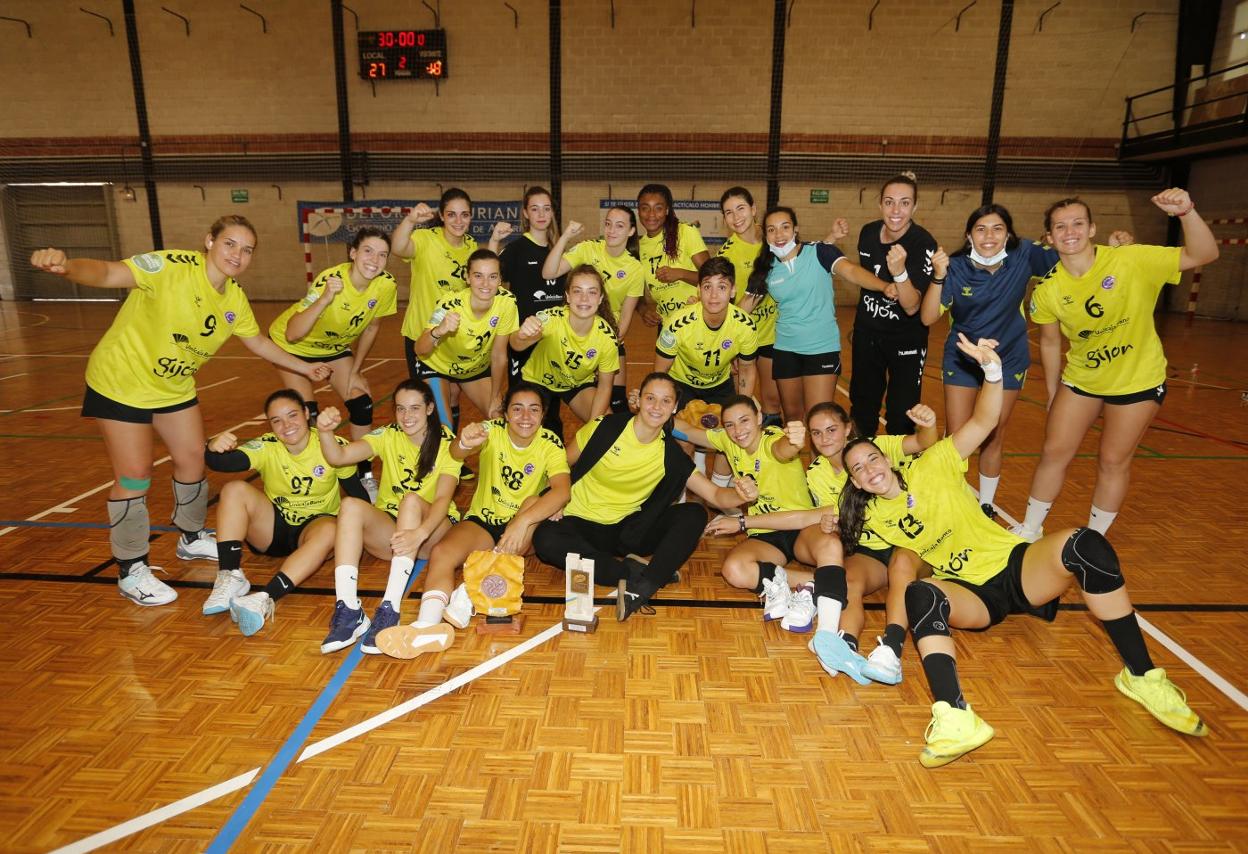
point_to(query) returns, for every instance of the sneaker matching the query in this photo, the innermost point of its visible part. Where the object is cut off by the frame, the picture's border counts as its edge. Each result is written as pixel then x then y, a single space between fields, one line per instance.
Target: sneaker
pixel 407 642
pixel 952 733
pixel 144 588
pixel 883 665
pixel 459 610
pixel 1030 536
pixel 345 627
pixel 227 587
pixel 251 611
pixel 633 596
pixel 383 618
pixel 800 616
pixel 989 510
pixel 466 473
pixel 835 656
pixel 203 547
pixel 371 487
pixel 1164 700
pixel 776 596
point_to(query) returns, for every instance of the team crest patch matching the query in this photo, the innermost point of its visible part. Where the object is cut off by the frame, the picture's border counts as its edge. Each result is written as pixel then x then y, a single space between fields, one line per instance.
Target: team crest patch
pixel 253 445
pixel 758 465
pixel 726 345
pixel 372 303
pixel 528 468
pixel 619 274
pixel 230 317
pixel 318 471
pixel 1108 283
pixel 494 321
pixel 149 262
pixel 591 352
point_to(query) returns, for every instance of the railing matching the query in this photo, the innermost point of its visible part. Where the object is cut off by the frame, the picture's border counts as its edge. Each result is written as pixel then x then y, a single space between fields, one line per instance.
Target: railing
pixel 1217 116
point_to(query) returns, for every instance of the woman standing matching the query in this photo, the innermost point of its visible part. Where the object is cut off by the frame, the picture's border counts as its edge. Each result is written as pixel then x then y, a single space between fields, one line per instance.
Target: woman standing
pixel 522 263
pixel 182 307
pixel 671 251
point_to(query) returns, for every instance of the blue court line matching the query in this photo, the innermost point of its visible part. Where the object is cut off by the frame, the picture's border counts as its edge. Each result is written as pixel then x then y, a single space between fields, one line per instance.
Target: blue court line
pixel 105 525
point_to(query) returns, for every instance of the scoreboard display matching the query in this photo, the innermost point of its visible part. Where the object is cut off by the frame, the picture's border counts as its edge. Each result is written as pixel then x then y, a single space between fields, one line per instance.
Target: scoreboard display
pixel 403 54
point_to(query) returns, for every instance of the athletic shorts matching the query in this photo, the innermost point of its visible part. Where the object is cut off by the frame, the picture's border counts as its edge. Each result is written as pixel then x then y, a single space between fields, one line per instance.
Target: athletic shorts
pixel 495 531
pixel 553 397
pixel 785 541
pixel 884 555
pixel 714 394
pixel 416 369
pixel 787 365
pixel 333 357
pixel 1156 395
pixel 765 351
pixel 1003 594
pixel 960 370
pixel 96 405
pixel 285 536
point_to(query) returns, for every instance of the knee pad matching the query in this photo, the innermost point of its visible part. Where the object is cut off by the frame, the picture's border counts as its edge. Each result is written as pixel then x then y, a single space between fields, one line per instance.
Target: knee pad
pixel 773 419
pixel 313 409
pixel 830 582
pixel 619 399
pixel 190 505
pixel 1090 558
pixel 128 527
pixel 361 410
pixel 927 608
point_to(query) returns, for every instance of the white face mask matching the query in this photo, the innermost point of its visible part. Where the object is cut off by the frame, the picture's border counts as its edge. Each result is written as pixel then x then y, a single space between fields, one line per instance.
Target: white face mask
pixel 781 251
pixel 987 262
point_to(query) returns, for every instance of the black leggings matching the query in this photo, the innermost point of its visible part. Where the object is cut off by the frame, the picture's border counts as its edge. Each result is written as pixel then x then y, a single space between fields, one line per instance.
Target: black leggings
pixel 669 543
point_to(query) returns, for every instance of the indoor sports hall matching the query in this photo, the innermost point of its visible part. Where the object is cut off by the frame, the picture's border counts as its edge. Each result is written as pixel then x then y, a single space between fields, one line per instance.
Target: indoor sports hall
pixel 132 126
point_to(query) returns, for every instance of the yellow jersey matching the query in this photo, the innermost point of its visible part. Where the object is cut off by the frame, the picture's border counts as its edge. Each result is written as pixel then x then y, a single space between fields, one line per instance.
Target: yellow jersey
pixel 167 328
pixel 671 296
pixel 561 360
pixel 742 255
pixel 301 486
pixel 623 274
pixel 439 270
pixel 466 351
pixel 939 519
pixel 399 461
pixel 826 483
pixel 704 355
pixel 781 484
pixel 343 320
pixel 621 480
pixel 1107 315
pixel 508 475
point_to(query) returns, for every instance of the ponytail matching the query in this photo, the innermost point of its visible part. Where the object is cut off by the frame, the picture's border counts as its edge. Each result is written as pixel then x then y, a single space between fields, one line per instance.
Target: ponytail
pixel 671 225
pixel 855 501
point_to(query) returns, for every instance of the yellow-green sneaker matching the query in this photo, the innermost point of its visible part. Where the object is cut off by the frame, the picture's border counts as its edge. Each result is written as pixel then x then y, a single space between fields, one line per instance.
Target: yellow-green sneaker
pixel 1163 699
pixel 952 733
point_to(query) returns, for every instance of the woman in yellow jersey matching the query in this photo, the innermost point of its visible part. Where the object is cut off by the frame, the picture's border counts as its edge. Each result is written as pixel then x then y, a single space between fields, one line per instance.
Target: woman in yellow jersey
pixel 293 518
pixel 614 256
pixel 671 252
pixel 335 324
pixel 1101 299
pixel 983 573
pixel 413 510
pixel 465 339
pixel 182 307
pixel 742 248
pixel 523 479
pixel 627 471
pixel 576 354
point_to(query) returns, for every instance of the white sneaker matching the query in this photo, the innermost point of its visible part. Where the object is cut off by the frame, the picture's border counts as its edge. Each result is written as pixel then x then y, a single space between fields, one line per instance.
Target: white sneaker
pixel 251 611
pixel 227 587
pixel 459 610
pixel 776 596
pixel 1026 533
pixel 144 588
pixel 203 547
pixel 883 665
pixel 801 614
pixel 370 486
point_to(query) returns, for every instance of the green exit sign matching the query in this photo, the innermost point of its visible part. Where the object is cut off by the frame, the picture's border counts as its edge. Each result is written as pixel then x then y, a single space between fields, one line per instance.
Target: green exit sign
pixel 242 196
pixel 818 197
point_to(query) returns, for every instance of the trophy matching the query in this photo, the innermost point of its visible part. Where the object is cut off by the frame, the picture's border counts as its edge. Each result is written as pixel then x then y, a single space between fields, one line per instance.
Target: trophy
pixel 578 603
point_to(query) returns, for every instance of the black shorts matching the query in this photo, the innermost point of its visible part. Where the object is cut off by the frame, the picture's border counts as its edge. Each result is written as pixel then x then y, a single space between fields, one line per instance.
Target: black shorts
pixel 786 365
pixel 765 351
pixel 418 370
pixel 1003 594
pixel 715 394
pixel 333 357
pixel 785 541
pixel 884 555
pixel 553 397
pixel 285 536
pixel 495 531
pixel 96 405
pixel 1157 395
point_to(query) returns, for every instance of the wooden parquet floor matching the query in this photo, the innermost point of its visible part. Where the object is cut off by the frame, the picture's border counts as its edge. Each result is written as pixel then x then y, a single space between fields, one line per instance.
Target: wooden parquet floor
pixel 697 729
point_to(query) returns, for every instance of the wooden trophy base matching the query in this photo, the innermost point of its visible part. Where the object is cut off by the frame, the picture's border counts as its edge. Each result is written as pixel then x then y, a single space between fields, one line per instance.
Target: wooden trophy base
pixel 512 625
pixel 582 626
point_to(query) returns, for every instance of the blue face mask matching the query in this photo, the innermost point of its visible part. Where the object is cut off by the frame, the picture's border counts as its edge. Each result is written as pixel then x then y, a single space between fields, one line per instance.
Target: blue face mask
pixel 781 251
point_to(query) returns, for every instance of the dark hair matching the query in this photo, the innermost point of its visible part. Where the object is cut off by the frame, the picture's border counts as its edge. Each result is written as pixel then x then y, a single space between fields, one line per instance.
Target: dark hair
pixel 1063 203
pixel 630 245
pixel 604 304
pixel 1011 241
pixel 671 225
pixel 433 425
pixel 739 400
pixel 224 222
pixel 552 233
pixel 658 375
pixel 735 191
pixel 448 196
pixel 367 232
pixel 522 386
pixel 854 500
pixel 284 394
pixel 762 264
pixel 829 408
pixel 482 255
pixel 906 178
pixel 717 265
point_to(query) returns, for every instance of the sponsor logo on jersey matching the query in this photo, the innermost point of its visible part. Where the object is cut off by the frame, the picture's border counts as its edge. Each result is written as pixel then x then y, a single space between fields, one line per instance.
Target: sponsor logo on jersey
pixel 149 262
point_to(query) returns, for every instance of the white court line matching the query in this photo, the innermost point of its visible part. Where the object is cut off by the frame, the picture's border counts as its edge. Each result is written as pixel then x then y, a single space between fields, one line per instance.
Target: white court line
pixel 220 790
pixel 49 409
pixel 198 389
pixel 11 376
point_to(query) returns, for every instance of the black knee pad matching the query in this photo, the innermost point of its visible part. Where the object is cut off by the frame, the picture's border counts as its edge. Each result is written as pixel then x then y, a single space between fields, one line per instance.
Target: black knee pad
pixel 313 409
pixel 830 582
pixel 619 398
pixel 927 608
pixel 361 410
pixel 1092 561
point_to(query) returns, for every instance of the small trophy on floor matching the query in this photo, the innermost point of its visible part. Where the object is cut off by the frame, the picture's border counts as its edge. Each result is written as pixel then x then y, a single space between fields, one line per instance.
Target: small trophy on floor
pixel 578 605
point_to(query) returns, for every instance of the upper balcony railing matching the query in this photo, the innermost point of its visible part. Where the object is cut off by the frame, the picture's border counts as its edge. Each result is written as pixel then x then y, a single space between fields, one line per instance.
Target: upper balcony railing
pixel 1216 117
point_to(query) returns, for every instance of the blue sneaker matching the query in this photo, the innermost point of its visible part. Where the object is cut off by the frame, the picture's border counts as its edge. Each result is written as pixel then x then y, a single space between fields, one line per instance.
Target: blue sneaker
pixel 383 618
pixel 345 628
pixel 835 656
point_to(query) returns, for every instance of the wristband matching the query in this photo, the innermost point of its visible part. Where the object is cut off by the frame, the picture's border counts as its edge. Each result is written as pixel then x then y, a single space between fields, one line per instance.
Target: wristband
pixel 464 447
pixel 1190 208
pixel 992 372
pixel 743 523
pixel 938 282
pixel 904 277
pixel 434 336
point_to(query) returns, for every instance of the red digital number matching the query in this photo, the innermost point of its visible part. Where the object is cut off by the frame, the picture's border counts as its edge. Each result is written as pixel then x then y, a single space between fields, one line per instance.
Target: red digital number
pixel 434 69
pixel 385 39
pixel 403 60
pixel 420 40
pixel 407 39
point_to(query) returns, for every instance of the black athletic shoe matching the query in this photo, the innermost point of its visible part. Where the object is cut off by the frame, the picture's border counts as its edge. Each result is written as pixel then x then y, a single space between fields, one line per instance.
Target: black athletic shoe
pixel 989 510
pixel 633 597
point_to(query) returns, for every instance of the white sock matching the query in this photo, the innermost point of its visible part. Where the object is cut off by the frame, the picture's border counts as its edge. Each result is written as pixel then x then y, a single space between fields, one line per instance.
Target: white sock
pixel 1100 520
pixel 432 604
pixel 1037 511
pixel 400 572
pixel 988 488
pixel 828 614
pixel 724 480
pixel 699 461
pixel 345 578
